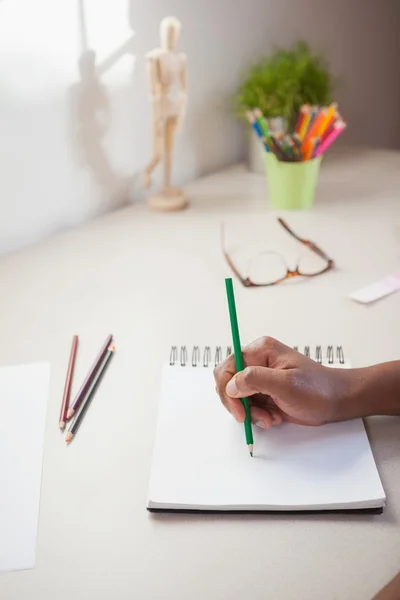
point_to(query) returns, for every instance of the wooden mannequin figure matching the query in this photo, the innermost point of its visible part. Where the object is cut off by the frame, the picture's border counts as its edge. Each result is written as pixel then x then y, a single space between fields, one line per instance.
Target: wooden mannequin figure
pixel 166 69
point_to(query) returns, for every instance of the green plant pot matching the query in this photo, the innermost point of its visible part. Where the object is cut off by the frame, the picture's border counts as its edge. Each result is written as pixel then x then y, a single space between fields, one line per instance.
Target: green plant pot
pixel 291 185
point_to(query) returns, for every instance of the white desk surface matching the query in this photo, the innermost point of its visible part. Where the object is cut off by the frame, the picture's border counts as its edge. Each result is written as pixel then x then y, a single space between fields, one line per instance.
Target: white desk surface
pixel 154 280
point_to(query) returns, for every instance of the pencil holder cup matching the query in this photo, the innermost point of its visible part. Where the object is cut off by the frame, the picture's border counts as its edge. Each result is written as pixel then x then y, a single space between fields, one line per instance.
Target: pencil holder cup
pixel 291 185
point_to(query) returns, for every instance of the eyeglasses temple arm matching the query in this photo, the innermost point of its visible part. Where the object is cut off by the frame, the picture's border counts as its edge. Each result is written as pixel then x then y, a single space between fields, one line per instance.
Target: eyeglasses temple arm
pixel 307 243
pixel 290 231
pixel 228 258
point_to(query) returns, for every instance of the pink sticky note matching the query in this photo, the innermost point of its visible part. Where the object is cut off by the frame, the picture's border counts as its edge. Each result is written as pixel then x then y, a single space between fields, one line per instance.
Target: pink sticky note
pixel 377 290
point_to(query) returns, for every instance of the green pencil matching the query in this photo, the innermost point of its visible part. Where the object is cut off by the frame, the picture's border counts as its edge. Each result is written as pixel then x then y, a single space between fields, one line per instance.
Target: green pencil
pixel 263 126
pixel 239 358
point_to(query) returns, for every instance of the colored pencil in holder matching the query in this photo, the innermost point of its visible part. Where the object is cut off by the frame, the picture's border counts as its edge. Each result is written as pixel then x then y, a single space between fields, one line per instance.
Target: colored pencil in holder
pixel 338 128
pixel 312 131
pixel 298 157
pixel 309 150
pixel 277 147
pixel 288 147
pixel 313 113
pixel 261 122
pixel 257 128
pixel 330 126
pixel 315 149
pixel 327 119
pixel 263 126
pixel 305 124
pixel 297 146
pixel 253 122
pixel 305 109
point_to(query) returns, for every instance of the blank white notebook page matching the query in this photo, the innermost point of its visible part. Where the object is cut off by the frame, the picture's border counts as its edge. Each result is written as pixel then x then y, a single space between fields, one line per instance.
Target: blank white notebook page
pixel 201 459
pixel 23 402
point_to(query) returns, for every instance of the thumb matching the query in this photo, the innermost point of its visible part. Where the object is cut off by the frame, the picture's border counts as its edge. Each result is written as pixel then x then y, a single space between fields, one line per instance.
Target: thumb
pixel 255 380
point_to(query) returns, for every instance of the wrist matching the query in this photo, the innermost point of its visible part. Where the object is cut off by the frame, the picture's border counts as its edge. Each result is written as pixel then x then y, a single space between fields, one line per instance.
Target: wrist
pixel 370 391
pixel 354 402
pixel 344 397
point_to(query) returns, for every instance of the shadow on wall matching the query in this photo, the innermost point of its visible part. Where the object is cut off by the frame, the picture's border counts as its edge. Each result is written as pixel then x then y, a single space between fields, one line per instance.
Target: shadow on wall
pixel 89 116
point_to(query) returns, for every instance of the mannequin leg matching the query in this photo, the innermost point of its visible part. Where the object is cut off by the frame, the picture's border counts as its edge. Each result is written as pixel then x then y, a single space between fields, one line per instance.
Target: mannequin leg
pixel 157 154
pixel 168 198
pixel 170 130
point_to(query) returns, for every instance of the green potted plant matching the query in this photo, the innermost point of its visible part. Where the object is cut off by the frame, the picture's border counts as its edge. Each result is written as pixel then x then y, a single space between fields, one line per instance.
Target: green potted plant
pixel 279 84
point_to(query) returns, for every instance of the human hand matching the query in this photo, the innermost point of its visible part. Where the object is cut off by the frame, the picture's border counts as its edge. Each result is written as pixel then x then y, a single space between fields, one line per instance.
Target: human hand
pixel 391 591
pixel 282 385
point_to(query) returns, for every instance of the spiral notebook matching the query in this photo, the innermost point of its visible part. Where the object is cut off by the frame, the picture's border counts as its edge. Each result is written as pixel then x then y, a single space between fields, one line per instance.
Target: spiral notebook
pixel 201 463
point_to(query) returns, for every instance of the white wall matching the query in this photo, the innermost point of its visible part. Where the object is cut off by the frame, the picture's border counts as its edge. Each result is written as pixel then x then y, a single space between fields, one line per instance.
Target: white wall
pixel 43 189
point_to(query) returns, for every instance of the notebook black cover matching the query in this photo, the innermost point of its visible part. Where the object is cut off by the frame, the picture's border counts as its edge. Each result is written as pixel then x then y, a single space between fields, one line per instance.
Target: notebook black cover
pixel 352 511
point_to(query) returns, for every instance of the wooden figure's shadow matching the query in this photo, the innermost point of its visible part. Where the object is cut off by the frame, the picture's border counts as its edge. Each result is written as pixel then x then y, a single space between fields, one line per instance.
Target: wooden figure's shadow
pixel 90 118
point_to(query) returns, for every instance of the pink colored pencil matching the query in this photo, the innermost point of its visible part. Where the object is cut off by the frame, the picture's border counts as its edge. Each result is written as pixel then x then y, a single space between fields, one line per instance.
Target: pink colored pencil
pixel 328 141
pixel 68 383
pixel 89 378
pixel 328 131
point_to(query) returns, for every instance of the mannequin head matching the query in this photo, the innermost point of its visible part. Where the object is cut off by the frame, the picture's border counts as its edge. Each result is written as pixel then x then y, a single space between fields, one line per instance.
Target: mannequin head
pixel 170 29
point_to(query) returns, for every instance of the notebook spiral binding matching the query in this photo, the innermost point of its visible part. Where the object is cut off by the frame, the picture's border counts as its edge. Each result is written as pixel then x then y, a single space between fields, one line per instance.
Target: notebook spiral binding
pixel 205 359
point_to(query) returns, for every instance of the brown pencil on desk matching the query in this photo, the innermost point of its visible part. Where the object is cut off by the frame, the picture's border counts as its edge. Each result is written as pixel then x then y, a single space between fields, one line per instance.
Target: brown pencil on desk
pixel 76 423
pixel 68 382
pixel 89 378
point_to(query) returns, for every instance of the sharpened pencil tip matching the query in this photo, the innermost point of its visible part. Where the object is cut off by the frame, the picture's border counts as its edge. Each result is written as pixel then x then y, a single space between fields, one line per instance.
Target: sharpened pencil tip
pixel 251 454
pixel 61 425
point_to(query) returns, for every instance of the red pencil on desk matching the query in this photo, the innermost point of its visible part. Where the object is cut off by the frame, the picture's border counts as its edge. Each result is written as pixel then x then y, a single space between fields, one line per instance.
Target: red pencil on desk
pixel 68 382
pixel 89 378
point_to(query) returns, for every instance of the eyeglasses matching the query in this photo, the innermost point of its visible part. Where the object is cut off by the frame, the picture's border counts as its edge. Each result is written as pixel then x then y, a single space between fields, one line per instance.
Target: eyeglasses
pixel 270 268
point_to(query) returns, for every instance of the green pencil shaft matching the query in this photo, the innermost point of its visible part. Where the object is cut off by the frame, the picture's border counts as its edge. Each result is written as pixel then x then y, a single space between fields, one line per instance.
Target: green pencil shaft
pixel 287 150
pixel 286 145
pixel 238 354
pixel 262 123
pixel 267 136
pixel 263 126
pixel 278 150
pixel 298 147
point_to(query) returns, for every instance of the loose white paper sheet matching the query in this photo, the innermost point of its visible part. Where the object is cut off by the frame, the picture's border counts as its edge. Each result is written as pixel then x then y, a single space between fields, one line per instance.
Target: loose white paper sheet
pixel 23 403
